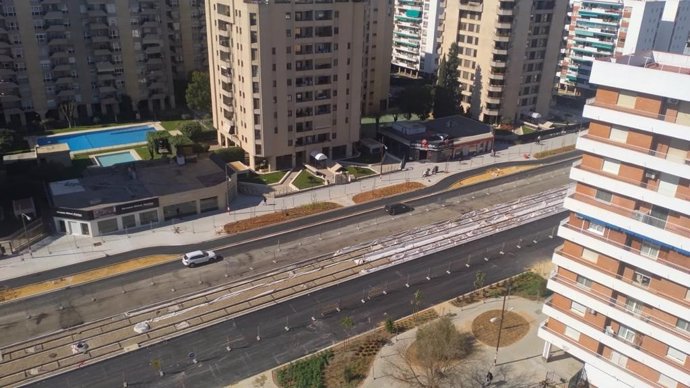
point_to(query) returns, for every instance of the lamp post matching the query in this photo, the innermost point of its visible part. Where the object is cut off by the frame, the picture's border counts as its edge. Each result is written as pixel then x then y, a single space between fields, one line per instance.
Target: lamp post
pixel 26 234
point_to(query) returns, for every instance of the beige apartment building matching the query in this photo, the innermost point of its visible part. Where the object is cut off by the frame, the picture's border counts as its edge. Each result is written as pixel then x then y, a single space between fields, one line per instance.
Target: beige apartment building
pixel 509 53
pixel 292 78
pixel 95 54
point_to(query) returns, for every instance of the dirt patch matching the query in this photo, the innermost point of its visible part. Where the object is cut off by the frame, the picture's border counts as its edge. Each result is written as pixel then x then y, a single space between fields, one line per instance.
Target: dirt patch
pixel 491 173
pixel 514 327
pixel 546 154
pixel 387 191
pixel 279 216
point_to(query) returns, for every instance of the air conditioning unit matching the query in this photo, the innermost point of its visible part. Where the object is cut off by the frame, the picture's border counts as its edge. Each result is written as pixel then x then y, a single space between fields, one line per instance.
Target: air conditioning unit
pixel 609 331
pixel 592 311
pixel 672 101
pixel 650 174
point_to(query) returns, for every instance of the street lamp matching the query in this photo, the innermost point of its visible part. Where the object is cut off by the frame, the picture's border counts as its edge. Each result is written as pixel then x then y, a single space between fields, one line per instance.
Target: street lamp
pixel 26 235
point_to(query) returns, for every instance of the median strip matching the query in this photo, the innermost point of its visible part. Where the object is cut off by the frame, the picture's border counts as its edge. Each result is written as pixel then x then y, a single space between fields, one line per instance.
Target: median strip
pixel 34 289
pixel 491 173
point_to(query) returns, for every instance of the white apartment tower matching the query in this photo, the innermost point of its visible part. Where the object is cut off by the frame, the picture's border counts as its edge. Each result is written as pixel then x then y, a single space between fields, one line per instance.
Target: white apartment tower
pixel 101 55
pixel 415 37
pixel 509 52
pixel 621 283
pixel 604 28
pixel 293 77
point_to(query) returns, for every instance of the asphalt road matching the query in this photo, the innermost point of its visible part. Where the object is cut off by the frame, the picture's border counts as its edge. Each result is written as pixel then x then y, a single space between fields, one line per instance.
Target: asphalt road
pixel 216 366
pixel 307 226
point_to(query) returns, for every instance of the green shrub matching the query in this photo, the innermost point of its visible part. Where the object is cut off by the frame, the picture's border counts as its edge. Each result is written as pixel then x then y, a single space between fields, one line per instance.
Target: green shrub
pixel 530 285
pixel 230 154
pixel 192 130
pixel 306 373
pixel 390 326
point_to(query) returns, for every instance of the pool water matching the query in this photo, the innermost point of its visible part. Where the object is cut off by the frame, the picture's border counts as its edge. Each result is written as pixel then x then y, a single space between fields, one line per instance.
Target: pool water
pixel 108 160
pixel 79 141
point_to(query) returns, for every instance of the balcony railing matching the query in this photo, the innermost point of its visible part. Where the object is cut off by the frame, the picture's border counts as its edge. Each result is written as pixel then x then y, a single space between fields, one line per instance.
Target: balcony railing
pixel 613 365
pixel 678 267
pixel 658 116
pixel 636 215
pixel 578 165
pixel 647 151
pixel 621 307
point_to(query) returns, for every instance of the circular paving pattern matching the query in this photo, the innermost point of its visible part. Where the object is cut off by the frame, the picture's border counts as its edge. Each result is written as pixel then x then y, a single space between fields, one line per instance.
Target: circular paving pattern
pixel 485 327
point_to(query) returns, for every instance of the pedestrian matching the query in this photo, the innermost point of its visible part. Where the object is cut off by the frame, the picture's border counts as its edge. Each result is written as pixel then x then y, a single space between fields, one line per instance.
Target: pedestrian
pixel 265 199
pixel 539 139
pixel 489 377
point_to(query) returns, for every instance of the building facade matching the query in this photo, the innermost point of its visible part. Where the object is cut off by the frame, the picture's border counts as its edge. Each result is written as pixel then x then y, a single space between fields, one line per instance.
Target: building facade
pixel 509 52
pixel 674 29
pixel 604 28
pixel 621 300
pixel 291 77
pixel 95 58
pixel 415 37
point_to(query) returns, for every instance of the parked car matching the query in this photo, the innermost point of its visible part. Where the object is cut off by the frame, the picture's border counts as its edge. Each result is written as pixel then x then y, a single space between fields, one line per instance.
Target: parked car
pixel 192 259
pixel 397 208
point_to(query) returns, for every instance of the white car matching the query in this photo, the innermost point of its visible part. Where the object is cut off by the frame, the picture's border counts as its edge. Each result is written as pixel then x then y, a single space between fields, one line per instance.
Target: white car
pixel 191 259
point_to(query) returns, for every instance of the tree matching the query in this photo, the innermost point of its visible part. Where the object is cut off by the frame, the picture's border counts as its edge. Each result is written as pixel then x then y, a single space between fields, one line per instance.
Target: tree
pixel 192 130
pixel 418 100
pixel 198 94
pixel 479 278
pixel 415 302
pixel 434 358
pixel 347 323
pixel 6 139
pixel 231 154
pixel 67 110
pixel 447 89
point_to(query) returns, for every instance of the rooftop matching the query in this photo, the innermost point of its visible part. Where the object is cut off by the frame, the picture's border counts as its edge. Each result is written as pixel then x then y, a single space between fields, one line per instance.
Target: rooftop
pixel 122 183
pixel 658 60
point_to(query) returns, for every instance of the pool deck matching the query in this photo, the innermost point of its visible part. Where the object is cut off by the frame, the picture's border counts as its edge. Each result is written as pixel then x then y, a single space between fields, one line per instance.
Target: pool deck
pixel 33 140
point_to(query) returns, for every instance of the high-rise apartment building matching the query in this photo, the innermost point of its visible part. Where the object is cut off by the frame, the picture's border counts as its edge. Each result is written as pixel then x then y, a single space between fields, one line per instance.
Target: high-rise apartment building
pixel 621 299
pixel 509 52
pixel 415 37
pixel 97 54
pixel 292 78
pixel 604 28
pixel 674 28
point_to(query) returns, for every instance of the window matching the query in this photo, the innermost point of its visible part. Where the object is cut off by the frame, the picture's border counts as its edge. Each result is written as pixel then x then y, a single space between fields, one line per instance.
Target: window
pixel 208 204
pixel 107 226
pixel 578 308
pixel 641 279
pixel 590 255
pixel 626 99
pixel 149 217
pixel 84 229
pixel 618 358
pixel 627 334
pixel 683 325
pixel 572 333
pixel 603 195
pixel 667 381
pixel 649 250
pixel 676 355
pixel 129 221
pixel 611 166
pixel 583 282
pixel 596 228
pixel 633 305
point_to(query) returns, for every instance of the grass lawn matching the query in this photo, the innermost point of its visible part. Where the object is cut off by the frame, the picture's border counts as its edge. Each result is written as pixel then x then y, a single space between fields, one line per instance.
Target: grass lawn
pixel 546 154
pixel 359 171
pixel 172 125
pixel 527 130
pixel 263 179
pixel 306 180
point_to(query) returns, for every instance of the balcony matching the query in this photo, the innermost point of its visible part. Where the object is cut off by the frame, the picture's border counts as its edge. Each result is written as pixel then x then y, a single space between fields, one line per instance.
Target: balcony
pixel 620 345
pixel 637 119
pixel 496 75
pixel 491 112
pixel 630 220
pixel 502 37
pixel 630 188
pixel 626 254
pixel 504 12
pixel 644 157
pixel 498 64
pixel 613 281
pixel 601 372
pixel 499 51
pixel 494 88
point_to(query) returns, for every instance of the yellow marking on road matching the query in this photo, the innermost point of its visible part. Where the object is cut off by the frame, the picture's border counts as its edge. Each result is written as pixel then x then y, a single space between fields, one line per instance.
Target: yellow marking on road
pixel 491 173
pixel 92 275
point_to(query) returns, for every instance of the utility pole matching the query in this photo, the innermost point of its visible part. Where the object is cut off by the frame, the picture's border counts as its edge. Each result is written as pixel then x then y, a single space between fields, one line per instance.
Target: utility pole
pixel 500 324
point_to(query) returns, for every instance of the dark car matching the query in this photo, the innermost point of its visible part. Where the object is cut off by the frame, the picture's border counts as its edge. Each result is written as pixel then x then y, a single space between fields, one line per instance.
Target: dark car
pixel 397 208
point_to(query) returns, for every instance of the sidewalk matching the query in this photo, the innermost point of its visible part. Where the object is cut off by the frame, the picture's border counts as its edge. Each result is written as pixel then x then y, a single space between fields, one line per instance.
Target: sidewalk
pixel 58 251
pixel 518 365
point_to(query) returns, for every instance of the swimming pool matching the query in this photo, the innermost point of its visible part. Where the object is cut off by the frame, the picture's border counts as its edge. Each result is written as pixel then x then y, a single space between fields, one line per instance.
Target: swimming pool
pixel 107 160
pixel 80 141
